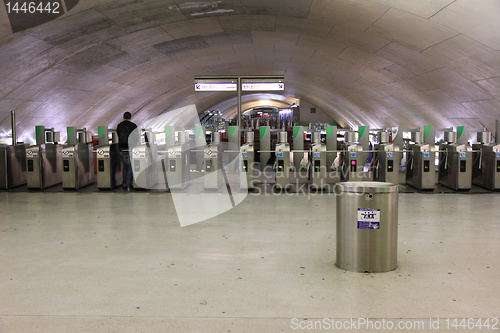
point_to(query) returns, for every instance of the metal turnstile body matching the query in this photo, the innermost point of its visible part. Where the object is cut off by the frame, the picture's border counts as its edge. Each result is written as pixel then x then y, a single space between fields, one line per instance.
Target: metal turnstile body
pixel 486 166
pixel 12 166
pixel 212 180
pixel 386 163
pixel 109 167
pixel 352 163
pixel 43 165
pixel 420 166
pixel 144 168
pixel 178 167
pixel 455 166
pixel 77 166
pixel 282 165
pixel 319 166
pixel 247 166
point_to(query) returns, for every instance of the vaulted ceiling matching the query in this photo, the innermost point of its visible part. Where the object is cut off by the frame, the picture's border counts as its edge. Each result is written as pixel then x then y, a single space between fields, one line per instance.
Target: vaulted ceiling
pixel 364 62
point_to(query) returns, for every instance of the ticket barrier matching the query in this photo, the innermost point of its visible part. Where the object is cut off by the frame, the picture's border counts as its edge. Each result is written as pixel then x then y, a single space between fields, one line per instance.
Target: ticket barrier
pixel 77 161
pixel 212 161
pixel 420 166
pixel 43 160
pixel 455 164
pixel 282 166
pixel 247 163
pixel 178 166
pixel 386 163
pixel 486 164
pixel 144 166
pixel 109 167
pixel 12 166
pixel 318 172
pixel 352 161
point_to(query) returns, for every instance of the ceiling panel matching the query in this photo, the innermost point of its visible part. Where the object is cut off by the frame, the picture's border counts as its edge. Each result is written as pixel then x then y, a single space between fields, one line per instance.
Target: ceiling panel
pixel 248 22
pixel 182 29
pixel 415 62
pixel 410 30
pixel 354 14
pixel 476 19
pixel 289 8
pixel 140 39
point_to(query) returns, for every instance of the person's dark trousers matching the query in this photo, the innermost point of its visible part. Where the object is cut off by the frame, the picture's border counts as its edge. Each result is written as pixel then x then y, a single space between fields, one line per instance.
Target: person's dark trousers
pixel 127 169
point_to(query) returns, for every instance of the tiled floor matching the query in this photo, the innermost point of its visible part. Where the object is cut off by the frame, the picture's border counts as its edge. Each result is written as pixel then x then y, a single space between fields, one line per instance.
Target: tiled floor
pixel 120 262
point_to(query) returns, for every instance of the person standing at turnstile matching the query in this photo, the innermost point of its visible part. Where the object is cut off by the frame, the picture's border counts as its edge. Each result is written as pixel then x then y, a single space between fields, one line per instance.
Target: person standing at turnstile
pixel 124 130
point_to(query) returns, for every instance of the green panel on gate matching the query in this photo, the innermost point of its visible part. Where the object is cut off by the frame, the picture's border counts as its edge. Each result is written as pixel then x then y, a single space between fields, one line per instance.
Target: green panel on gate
pixel 100 131
pixel 295 131
pixel 168 129
pixel 460 131
pixel 198 131
pixel 361 131
pixel 427 130
pixel 329 130
pixel 262 131
pixel 37 131
pixel 69 131
pixel 231 132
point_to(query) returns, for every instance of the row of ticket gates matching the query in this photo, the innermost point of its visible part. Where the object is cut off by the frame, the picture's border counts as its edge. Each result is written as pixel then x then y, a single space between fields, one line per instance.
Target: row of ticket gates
pixel 169 165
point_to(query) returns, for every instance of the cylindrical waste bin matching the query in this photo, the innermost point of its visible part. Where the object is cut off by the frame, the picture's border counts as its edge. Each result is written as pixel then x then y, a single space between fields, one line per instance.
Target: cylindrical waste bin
pixel 367 226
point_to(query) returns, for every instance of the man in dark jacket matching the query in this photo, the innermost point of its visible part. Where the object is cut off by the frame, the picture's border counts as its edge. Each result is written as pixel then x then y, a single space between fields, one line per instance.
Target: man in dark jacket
pixel 124 131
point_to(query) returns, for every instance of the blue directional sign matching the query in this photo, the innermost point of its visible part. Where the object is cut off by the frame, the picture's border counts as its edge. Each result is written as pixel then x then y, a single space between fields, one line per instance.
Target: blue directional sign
pixel 462 155
pixel 281 155
pixel 427 155
pixel 353 154
pixel 389 154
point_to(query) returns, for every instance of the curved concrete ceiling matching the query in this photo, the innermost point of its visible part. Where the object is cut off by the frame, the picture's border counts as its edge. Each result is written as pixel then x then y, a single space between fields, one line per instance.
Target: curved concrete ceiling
pixel 364 62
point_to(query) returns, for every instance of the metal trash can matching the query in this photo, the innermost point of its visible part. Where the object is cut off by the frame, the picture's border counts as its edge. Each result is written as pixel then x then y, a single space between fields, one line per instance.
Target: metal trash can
pixel 367 226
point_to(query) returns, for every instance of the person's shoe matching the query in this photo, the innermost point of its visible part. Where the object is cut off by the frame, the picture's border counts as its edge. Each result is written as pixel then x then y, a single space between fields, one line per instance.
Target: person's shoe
pixel 128 188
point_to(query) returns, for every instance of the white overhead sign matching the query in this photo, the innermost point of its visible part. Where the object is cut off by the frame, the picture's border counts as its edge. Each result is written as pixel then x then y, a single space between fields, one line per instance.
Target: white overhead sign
pixel 263 86
pixel 215 86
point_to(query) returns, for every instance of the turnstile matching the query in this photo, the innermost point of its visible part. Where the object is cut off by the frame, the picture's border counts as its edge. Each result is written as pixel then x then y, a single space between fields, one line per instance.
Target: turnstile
pixel 109 167
pixel 77 166
pixel 144 167
pixel 282 166
pixel 455 166
pixel 212 178
pixel 319 168
pixel 12 166
pixel 386 163
pixel 43 165
pixel 352 161
pixel 178 167
pixel 420 166
pixel 247 166
pixel 486 166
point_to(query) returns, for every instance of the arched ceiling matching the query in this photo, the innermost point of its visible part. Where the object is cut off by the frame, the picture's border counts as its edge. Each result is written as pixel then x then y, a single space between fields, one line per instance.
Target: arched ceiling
pixel 364 62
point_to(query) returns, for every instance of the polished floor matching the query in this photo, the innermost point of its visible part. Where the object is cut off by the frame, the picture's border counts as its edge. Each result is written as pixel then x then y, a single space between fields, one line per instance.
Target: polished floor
pixel 120 262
